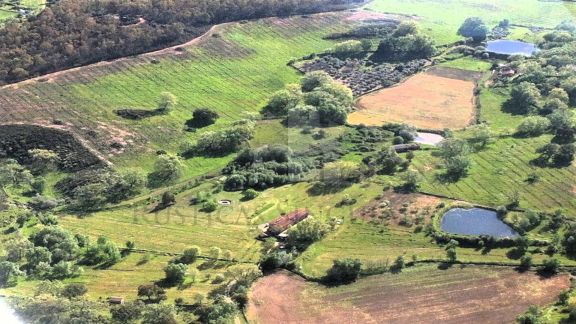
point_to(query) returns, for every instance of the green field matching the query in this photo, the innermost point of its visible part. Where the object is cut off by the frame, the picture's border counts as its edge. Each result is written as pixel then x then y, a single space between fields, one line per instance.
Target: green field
pixel 442 18
pixel 233 74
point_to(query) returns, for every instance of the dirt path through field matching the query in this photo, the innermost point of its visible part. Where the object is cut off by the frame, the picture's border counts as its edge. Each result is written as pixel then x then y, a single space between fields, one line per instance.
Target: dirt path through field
pixel 423 294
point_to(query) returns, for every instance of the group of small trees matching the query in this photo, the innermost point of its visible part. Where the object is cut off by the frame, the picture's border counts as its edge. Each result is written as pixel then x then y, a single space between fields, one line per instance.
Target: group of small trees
pixel 222 142
pixel 264 167
pixel 405 43
pixel 318 101
pixel 454 154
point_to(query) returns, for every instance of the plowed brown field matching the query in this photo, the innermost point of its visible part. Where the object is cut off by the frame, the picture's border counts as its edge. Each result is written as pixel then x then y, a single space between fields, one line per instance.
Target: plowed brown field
pixel 423 294
pixel 430 100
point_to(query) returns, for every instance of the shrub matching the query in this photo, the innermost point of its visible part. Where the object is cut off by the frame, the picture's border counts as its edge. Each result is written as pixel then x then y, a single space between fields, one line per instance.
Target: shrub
pixel 250 194
pixel 202 117
pixel 190 255
pixel 175 272
pixel 344 271
pixel 533 126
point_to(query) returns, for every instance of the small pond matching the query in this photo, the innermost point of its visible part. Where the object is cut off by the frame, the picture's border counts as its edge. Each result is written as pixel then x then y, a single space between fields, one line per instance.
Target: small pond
pixel 428 138
pixel 475 221
pixel 511 47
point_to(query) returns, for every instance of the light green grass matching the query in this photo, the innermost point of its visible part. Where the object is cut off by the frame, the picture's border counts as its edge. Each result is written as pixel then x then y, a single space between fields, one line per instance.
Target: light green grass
pixel 468 63
pixel 233 74
pixel 442 18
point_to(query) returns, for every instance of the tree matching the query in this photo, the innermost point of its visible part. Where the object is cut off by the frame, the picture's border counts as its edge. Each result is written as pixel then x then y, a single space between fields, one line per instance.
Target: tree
pixel 305 233
pixel 167 169
pixel 43 160
pixel 480 135
pixel 314 80
pixel 9 273
pixel 532 316
pixel 129 312
pixel 190 255
pixel 250 194
pixel 214 253
pixel 451 250
pixel 344 271
pixel 524 98
pixel 74 290
pixel 389 160
pixel 166 102
pixel 550 266
pixel 412 180
pixel 159 314
pixel 104 251
pixel 168 199
pixel 474 27
pixel 175 272
pixel 58 241
pixel 349 48
pixel 37 255
pixel 340 173
pixel 202 117
pixel 152 293
pixel 399 263
pixel 281 102
pixel 405 28
pixel 533 126
pixel 525 262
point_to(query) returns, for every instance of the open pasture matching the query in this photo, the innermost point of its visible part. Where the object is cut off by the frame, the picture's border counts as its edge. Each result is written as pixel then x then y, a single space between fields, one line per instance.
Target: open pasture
pixel 233 70
pixel 441 18
pixel 420 294
pixel 437 99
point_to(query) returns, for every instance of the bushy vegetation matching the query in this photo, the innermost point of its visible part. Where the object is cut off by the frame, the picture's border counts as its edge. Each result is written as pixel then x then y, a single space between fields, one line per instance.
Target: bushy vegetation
pixel 405 43
pixel 319 101
pixel 222 142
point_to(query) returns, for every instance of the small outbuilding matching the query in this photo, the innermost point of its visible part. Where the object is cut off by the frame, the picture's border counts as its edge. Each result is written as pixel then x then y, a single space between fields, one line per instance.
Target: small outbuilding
pixel 115 300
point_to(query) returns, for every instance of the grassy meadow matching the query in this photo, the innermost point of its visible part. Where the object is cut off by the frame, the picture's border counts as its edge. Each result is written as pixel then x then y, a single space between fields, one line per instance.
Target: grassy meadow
pixel 441 19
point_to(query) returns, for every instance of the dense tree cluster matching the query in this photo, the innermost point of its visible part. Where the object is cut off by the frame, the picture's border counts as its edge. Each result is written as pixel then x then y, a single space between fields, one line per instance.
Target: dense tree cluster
pixel 545 91
pixel 72 33
pixel 308 231
pixel 92 189
pixel 264 167
pixel 223 141
pixel 475 28
pixel 404 44
pixel 317 101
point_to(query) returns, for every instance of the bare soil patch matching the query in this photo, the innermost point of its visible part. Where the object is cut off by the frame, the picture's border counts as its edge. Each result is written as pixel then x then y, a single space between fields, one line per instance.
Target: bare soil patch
pixel 399 208
pixel 425 100
pixel 423 294
pixel 372 15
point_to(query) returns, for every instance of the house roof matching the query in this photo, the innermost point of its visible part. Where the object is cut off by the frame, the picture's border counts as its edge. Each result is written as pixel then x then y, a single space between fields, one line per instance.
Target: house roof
pixel 283 222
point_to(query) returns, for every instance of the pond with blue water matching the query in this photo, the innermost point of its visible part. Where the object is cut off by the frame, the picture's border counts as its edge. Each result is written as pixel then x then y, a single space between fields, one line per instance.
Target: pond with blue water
pixel 475 221
pixel 511 47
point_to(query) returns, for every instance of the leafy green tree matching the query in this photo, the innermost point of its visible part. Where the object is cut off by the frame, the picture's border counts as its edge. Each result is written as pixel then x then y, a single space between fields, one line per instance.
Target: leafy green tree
pixel 166 102
pixel 305 233
pixel 344 271
pixel 525 262
pixel 533 316
pixel 399 263
pixel 74 290
pixel 281 102
pixel 43 161
pixel 202 117
pixel 38 254
pixel 405 28
pixel 388 160
pixel 58 241
pixel 480 135
pixel 159 314
pixel 153 293
pixel 9 273
pixel 475 28
pixel 175 272
pixel 314 80
pixel 190 255
pixel 349 48
pixel 129 312
pixel 533 126
pixel 214 252
pixel 550 266
pixel 167 169
pixel 412 179
pixel 250 194
pixel 104 251
pixel 525 98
